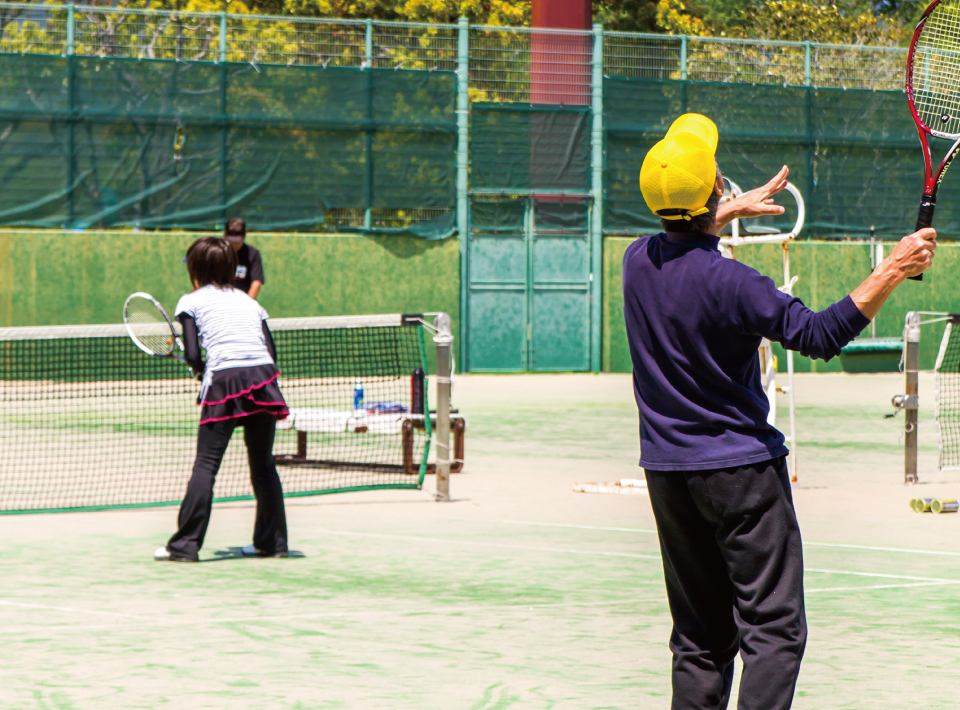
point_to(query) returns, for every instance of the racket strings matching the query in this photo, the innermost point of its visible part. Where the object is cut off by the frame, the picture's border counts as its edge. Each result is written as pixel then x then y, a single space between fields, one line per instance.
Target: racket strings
pixel 149 326
pixel 936 70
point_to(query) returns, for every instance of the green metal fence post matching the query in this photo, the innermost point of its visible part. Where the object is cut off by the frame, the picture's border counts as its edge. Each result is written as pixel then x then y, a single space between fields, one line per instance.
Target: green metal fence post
pixel 223 118
pixel 596 214
pixel 683 74
pixel 683 57
pixel 808 119
pixel 71 31
pixel 463 162
pixel 71 123
pixel 368 45
pixel 224 148
pixel 368 151
pixel 223 36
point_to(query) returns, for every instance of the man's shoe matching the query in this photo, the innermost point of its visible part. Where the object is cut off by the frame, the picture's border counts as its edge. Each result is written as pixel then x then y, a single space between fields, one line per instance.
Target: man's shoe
pixel 252 551
pixel 162 554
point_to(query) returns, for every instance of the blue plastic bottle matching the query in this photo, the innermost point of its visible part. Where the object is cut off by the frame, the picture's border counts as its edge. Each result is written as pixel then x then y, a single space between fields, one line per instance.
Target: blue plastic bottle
pixel 358 395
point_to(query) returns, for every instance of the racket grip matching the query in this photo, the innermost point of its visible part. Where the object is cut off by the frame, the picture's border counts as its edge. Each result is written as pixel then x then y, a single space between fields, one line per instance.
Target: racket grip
pixel 925 219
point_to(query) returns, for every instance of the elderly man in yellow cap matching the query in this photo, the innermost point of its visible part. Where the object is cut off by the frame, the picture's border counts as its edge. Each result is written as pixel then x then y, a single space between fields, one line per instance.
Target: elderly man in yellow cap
pixel 716 471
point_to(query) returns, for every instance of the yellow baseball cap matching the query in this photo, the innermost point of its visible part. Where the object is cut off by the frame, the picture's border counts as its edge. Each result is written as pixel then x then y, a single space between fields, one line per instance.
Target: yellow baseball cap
pixel 698 125
pixel 679 172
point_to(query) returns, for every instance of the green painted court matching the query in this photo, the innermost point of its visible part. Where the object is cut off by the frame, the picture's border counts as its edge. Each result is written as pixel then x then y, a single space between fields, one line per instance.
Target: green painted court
pixel 518 594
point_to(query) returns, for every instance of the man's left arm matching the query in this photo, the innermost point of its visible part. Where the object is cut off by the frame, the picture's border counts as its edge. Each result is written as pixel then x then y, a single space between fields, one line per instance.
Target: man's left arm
pixel 256 275
pixel 755 203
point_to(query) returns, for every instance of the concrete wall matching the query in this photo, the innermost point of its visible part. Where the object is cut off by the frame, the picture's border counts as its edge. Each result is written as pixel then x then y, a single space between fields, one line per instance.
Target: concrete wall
pixel 67 278
pixel 827 272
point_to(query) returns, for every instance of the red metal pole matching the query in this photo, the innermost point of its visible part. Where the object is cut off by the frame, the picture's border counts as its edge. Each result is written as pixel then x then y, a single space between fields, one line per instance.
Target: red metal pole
pixel 560 62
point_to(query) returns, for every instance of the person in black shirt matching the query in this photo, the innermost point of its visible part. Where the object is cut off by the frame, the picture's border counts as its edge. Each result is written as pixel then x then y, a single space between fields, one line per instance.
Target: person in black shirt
pixel 249 277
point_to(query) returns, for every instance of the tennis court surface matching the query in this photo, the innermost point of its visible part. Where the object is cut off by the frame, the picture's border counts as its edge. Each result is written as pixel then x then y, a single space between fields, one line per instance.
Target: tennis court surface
pixel 519 594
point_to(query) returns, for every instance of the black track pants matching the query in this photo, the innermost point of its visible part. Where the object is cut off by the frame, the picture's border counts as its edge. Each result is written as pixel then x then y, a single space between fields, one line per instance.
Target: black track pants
pixel 734 572
pixel 270 528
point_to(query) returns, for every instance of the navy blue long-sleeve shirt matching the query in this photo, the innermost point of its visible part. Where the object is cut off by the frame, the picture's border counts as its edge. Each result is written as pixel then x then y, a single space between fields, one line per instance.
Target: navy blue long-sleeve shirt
pixel 695 321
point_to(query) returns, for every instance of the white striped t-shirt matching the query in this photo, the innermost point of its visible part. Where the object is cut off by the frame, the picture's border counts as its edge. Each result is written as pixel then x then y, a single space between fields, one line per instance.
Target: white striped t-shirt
pixel 230 325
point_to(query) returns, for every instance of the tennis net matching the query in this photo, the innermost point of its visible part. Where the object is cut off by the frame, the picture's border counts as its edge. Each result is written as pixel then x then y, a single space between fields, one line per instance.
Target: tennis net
pixel 947 395
pixel 87 420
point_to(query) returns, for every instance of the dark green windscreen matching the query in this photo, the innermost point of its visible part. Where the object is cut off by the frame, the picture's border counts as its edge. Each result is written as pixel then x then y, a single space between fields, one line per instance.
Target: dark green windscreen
pixel 90 142
pixel 525 148
pixel 854 154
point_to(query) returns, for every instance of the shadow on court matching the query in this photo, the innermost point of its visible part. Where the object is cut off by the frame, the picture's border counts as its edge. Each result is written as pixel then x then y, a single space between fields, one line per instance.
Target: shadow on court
pixel 236 553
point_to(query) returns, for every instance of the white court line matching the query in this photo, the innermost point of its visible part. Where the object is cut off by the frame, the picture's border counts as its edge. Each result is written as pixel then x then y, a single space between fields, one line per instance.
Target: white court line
pixel 419 611
pixel 933 580
pixel 871 548
pixel 419 538
pixel 882 549
pixel 447 541
pixel 875 586
pixel 562 525
pixel 70 610
pixel 435 610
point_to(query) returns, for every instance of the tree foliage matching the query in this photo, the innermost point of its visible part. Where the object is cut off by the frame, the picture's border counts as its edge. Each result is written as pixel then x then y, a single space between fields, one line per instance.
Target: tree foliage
pixel 840 22
pixel 791 20
pixel 488 12
pixel 627 15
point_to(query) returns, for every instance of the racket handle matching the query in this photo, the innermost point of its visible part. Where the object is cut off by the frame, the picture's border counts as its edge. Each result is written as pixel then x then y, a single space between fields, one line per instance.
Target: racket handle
pixel 925 219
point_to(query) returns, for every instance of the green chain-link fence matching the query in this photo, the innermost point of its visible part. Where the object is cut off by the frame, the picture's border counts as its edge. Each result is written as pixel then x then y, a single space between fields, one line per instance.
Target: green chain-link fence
pixel 113 116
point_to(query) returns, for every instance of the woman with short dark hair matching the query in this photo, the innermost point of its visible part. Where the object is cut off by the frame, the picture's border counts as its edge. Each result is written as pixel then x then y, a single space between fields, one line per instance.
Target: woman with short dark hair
pixel 239 389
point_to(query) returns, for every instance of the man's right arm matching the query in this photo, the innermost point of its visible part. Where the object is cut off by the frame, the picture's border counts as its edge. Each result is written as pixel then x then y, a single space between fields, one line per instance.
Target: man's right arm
pixel 911 257
pixel 784 319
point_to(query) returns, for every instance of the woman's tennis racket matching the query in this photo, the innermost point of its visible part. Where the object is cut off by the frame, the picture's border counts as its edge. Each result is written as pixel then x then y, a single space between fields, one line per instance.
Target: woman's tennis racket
pixel 933 90
pixel 150 327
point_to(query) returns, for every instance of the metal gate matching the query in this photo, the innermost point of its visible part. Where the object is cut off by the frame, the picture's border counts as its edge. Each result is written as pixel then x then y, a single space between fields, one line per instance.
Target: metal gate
pixel 528 286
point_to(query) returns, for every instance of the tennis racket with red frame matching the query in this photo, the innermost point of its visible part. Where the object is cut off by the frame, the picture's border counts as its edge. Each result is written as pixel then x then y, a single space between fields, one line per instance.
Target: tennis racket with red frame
pixel 933 90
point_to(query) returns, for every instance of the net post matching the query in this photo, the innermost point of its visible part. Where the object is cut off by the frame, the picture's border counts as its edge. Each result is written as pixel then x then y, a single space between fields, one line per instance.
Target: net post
pixel 596 213
pixel 463 143
pixel 911 366
pixel 223 37
pixel 444 342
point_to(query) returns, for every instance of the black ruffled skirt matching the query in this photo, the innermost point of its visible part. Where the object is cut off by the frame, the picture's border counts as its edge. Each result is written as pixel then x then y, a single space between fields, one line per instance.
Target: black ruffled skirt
pixel 242 391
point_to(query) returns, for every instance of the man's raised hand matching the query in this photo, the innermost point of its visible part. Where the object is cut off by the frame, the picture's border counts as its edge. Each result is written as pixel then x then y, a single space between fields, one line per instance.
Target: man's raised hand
pixel 914 253
pixel 755 203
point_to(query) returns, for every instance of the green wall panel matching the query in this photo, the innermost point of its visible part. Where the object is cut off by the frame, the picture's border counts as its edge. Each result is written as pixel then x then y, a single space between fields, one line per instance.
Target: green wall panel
pixel 827 272
pixel 68 278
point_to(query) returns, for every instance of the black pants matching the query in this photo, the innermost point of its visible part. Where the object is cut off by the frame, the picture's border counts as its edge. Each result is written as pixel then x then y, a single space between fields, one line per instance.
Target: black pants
pixel 270 528
pixel 734 572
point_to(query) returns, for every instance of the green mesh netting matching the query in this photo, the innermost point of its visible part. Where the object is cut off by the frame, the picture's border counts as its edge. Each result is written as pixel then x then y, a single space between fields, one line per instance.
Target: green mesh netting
pixel 499 217
pixel 90 142
pixel 854 154
pixel 528 148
